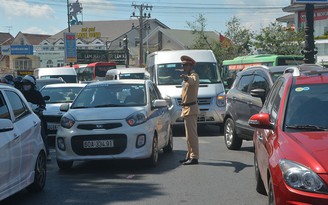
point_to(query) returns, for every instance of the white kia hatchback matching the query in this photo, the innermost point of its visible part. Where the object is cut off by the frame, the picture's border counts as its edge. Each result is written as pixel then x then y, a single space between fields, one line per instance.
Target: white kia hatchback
pixel 23 157
pixel 114 120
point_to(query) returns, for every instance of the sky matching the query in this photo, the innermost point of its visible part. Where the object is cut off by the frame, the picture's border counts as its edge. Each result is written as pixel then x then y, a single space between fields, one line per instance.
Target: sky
pixel 50 16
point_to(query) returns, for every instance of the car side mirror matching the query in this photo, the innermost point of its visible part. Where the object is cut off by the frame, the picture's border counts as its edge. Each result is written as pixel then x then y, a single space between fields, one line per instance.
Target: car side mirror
pixel 159 103
pixel 64 107
pixel 261 121
pixel 259 93
pixel 6 125
pixel 46 98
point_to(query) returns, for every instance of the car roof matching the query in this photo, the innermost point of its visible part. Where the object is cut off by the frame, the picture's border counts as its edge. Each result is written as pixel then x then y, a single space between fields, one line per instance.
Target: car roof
pixel 61 85
pixel 50 79
pixel 126 70
pixel 132 81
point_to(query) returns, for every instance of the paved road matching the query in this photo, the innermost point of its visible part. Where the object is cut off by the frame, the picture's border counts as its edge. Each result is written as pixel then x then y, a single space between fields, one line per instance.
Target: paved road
pixel 222 177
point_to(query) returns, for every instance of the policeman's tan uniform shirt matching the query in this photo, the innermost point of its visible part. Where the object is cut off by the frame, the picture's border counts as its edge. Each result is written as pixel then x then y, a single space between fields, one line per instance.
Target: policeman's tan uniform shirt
pixel 189 95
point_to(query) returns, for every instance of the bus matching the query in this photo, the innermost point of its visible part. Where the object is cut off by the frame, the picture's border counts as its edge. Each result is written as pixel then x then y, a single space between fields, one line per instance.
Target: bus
pixel 231 67
pixel 94 71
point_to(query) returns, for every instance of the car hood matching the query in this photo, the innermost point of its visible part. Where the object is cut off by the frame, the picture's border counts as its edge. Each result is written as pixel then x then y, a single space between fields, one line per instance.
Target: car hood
pixel 308 148
pixel 205 90
pixel 108 113
pixel 53 109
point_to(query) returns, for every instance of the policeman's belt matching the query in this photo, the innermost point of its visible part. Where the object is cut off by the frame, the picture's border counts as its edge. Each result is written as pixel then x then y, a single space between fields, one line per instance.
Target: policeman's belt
pixel 188 104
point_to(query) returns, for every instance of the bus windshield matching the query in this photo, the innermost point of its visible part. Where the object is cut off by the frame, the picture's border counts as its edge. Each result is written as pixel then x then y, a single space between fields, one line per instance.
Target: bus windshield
pixel 169 74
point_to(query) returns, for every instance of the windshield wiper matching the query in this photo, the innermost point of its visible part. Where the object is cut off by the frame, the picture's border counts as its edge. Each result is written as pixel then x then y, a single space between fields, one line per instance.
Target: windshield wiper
pixel 307 127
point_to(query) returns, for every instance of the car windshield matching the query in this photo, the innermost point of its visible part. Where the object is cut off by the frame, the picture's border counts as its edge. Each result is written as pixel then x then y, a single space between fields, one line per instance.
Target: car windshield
pixel 132 76
pixel 111 95
pixel 60 94
pixel 169 74
pixel 306 108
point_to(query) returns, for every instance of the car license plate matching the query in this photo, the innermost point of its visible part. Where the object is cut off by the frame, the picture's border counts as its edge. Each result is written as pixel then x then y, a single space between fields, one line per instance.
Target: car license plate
pixel 52 126
pixel 98 144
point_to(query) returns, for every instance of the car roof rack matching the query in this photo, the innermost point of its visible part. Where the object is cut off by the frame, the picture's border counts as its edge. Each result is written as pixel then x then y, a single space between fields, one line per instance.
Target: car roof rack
pixel 306 69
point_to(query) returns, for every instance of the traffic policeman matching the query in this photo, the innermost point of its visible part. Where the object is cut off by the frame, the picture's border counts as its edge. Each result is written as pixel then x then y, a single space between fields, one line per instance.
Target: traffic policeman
pixel 190 109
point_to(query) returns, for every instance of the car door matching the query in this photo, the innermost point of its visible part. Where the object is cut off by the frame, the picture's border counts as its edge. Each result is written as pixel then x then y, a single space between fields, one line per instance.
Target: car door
pixel 9 148
pixel 27 127
pixel 264 138
pixel 240 101
pixel 157 115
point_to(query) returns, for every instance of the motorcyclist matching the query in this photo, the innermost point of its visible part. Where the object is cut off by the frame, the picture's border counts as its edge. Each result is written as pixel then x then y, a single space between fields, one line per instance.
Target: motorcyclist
pixel 18 82
pixel 10 79
pixel 35 97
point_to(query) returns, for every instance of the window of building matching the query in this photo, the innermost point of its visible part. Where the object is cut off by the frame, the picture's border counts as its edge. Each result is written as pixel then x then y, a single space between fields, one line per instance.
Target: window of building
pixel 23 63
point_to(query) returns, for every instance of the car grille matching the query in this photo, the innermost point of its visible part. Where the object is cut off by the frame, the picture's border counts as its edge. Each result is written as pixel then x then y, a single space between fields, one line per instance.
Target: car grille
pixel 201 101
pixel 50 118
pixel 120 143
pixel 99 126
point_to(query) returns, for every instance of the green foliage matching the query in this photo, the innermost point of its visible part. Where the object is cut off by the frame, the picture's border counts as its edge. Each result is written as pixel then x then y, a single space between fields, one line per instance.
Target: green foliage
pixel 276 39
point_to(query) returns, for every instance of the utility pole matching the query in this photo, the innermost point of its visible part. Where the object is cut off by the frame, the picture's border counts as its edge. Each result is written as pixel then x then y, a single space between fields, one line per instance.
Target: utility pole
pixel 309 48
pixel 68 18
pixel 141 17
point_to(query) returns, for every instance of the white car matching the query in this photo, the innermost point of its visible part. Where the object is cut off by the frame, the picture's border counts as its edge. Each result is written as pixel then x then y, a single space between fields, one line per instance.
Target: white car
pixel 58 94
pixel 114 120
pixel 23 156
pixel 127 73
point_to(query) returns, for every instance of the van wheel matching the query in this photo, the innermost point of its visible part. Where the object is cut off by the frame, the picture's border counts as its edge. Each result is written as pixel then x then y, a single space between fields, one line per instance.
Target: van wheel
pixel 40 174
pixel 231 139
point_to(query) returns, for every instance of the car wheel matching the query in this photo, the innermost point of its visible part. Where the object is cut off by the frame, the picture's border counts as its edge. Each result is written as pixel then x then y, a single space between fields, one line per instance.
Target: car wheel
pixel 231 139
pixel 152 161
pixel 169 147
pixel 40 173
pixel 271 200
pixel 64 165
pixel 259 182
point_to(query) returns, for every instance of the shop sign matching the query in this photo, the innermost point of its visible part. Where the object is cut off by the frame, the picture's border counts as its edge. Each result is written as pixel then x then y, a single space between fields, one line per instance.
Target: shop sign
pixel 91 56
pixel 70 47
pixel 21 50
pixel 88 33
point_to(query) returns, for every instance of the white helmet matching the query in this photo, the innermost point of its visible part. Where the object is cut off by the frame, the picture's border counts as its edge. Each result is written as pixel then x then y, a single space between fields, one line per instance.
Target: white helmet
pixel 29 79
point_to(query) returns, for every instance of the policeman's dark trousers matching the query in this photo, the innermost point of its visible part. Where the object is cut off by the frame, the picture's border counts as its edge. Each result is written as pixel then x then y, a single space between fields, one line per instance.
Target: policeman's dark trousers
pixel 190 123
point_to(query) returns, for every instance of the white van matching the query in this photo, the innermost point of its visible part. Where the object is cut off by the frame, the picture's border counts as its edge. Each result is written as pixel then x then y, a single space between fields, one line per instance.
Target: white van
pixel 68 74
pixel 127 73
pixel 165 68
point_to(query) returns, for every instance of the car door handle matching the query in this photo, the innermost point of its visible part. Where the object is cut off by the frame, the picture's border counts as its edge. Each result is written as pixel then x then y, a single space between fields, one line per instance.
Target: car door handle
pixel 249 103
pixel 259 137
pixel 16 136
pixel 234 99
pixel 35 123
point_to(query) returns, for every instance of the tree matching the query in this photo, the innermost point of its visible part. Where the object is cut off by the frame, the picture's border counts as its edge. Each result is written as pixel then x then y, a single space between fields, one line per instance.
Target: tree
pixel 241 38
pixel 198 28
pixel 277 39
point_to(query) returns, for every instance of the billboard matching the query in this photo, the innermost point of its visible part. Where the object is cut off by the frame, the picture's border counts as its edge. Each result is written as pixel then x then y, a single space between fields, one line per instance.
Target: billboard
pixel 70 47
pixel 21 50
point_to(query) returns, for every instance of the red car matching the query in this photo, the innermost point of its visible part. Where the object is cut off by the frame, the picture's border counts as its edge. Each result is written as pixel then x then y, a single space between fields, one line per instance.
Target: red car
pixel 291 138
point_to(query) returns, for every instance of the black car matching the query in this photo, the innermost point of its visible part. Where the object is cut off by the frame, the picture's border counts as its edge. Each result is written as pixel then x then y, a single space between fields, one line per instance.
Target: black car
pixel 246 98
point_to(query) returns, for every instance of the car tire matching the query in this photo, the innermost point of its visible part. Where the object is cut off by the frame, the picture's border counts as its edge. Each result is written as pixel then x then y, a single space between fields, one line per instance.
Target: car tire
pixel 64 165
pixel 40 174
pixel 231 139
pixel 169 147
pixel 259 182
pixel 271 200
pixel 152 161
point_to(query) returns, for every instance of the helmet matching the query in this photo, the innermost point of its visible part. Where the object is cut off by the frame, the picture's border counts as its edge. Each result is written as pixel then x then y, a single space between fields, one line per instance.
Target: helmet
pixel 29 79
pixel 3 80
pixel 18 79
pixel 9 78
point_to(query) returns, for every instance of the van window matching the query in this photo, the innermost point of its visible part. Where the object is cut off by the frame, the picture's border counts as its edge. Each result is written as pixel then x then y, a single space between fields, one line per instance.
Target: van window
pixel 66 78
pixel 169 74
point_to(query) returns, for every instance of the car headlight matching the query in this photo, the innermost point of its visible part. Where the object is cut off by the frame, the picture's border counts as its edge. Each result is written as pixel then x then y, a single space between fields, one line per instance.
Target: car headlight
pixel 300 177
pixel 221 99
pixel 137 118
pixel 67 121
